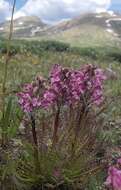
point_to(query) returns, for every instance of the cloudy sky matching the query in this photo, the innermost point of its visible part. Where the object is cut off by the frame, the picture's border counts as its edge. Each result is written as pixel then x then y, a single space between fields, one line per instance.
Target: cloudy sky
pixel 56 10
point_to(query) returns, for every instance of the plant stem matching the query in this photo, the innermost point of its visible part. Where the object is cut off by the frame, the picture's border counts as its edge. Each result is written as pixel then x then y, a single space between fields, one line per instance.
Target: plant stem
pixel 36 153
pixel 34 134
pixel 4 138
pixel 77 129
pixel 56 125
pixel 8 52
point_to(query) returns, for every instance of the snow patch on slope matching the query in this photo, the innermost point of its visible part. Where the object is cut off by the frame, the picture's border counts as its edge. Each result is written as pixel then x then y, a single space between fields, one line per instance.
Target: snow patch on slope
pixel 20 23
pixel 34 30
pixel 1 28
pixel 109 30
pixel 109 26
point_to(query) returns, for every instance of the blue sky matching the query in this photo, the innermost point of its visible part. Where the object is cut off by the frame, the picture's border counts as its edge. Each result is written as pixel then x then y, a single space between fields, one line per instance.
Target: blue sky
pixel 56 10
pixel 116 5
pixel 19 3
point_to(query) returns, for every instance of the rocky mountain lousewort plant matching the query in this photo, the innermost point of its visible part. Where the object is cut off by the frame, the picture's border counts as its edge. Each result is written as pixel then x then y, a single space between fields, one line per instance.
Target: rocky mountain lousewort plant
pixel 62 113
pixel 65 89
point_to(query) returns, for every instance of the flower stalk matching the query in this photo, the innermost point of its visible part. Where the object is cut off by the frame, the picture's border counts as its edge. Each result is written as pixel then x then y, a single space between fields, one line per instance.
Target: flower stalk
pixel 34 134
pixel 5 74
pixel 56 126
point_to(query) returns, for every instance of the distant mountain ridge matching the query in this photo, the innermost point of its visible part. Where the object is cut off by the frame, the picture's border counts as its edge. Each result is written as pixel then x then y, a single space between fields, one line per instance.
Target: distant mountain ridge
pixel 105 26
pixel 23 26
pixel 106 20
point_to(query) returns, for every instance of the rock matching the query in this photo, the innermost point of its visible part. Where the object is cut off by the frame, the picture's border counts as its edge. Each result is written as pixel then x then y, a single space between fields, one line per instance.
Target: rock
pixel 112 75
pixel 21 129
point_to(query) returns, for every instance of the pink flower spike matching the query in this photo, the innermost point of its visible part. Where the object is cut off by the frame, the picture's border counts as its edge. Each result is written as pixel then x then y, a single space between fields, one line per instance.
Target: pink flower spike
pixel 64 87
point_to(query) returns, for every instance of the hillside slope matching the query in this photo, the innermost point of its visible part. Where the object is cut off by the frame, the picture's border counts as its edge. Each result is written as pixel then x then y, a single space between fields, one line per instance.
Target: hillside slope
pixel 84 30
pixel 23 27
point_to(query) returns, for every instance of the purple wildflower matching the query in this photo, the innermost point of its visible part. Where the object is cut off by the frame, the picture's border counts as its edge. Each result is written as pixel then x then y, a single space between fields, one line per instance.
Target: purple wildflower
pixel 114 178
pixel 66 87
pixel 30 97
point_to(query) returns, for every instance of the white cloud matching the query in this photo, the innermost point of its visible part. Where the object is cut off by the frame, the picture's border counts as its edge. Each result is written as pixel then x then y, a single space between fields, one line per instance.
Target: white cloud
pixel 55 10
pixel 5 9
